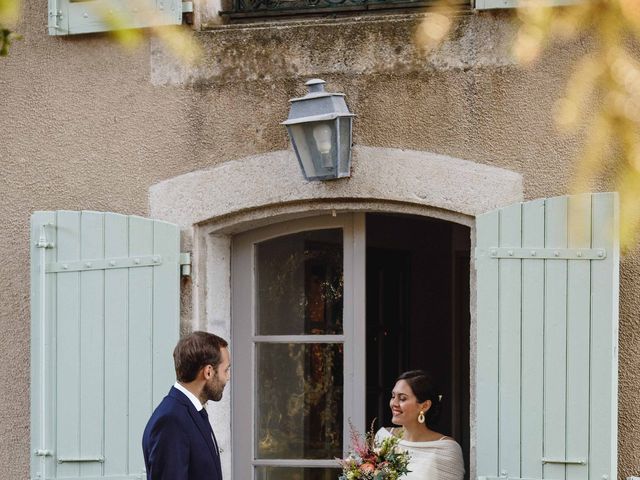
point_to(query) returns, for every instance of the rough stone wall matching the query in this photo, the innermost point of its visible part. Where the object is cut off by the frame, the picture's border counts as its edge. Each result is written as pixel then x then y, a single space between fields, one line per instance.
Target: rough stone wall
pixel 85 125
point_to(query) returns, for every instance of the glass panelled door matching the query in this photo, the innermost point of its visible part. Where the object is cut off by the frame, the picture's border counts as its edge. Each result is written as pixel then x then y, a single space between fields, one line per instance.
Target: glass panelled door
pixel 298 363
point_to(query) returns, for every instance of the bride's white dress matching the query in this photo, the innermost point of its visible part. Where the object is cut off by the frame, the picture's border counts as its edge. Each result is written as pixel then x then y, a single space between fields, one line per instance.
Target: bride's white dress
pixel 436 460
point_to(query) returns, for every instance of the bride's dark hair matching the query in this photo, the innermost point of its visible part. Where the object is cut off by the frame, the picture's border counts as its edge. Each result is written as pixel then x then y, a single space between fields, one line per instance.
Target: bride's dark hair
pixel 424 388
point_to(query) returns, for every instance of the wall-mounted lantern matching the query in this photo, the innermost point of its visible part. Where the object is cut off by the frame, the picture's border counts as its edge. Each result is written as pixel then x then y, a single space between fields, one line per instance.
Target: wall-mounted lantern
pixel 319 126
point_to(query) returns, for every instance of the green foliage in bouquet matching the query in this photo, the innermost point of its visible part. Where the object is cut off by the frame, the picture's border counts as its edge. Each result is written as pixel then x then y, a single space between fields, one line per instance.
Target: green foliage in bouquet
pixel 372 460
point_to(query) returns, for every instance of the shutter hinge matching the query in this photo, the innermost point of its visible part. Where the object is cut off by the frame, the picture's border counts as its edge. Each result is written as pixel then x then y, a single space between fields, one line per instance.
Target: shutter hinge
pixel 505 477
pixel 43 453
pixel 42 239
pixel 579 461
pixel 105 263
pixel 542 253
pixel 185 264
pixel 82 460
pixel 55 15
pixel 187 12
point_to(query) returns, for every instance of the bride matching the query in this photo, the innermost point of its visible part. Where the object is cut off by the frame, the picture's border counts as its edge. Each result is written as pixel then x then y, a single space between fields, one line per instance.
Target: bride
pixel 415 406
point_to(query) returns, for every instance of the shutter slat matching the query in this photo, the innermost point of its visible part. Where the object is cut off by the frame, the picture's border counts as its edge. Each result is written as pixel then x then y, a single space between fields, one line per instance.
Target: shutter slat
pixel 555 333
pixel 54 348
pixel 68 343
pixel 533 341
pixel 509 343
pixel 140 336
pixel 604 339
pixel 487 349
pixel 91 344
pixel 116 441
pixel 43 352
pixel 578 333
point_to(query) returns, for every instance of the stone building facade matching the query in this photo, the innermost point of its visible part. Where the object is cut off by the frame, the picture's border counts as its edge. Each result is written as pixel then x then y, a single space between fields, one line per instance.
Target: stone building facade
pixel 87 125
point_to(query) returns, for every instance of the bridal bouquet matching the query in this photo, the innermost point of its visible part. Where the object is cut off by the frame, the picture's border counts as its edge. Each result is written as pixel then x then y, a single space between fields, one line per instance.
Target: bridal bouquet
pixel 371 460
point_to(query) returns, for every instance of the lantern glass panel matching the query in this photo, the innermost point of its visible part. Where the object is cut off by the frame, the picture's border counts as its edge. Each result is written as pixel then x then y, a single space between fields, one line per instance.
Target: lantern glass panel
pixel 301 147
pixel 316 144
pixel 344 163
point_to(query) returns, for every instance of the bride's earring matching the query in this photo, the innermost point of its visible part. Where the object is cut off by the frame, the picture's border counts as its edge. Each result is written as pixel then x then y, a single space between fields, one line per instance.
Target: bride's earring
pixel 421 417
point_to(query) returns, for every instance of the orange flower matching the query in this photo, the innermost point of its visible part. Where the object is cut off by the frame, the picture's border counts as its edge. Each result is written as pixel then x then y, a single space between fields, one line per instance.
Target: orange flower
pixel 367 467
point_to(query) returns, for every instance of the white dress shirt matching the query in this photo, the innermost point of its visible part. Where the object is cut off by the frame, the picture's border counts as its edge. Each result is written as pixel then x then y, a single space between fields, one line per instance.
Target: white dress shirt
pixel 190 396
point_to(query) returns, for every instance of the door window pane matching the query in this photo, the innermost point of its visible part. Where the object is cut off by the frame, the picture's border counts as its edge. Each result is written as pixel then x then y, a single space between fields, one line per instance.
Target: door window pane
pixel 296 473
pixel 299 395
pixel 299 284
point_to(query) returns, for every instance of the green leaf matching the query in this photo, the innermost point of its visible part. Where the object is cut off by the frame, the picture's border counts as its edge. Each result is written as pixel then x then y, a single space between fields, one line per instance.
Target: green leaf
pixel 5 41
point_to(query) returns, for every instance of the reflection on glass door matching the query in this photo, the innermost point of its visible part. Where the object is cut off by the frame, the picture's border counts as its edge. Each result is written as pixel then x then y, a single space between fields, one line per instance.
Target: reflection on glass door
pixel 291 335
pixel 299 385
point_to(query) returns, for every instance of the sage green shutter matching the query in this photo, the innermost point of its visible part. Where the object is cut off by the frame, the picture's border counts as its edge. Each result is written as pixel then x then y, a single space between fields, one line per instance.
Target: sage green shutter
pixel 104 321
pixel 496 4
pixel 547 332
pixel 68 17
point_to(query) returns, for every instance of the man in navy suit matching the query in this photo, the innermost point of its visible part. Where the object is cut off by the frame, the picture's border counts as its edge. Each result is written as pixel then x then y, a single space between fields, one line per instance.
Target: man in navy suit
pixel 178 442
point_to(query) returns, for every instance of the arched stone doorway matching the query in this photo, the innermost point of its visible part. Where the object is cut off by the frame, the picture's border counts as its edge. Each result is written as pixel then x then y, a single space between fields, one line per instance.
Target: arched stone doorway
pixel 212 206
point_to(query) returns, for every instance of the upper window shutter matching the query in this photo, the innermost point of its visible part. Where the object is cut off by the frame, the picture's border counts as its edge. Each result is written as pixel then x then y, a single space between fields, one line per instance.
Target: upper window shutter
pixel 495 4
pixel 104 320
pixel 68 17
pixel 547 332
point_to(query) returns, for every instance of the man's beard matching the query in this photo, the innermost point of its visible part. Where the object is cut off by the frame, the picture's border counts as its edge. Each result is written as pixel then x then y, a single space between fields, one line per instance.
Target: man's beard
pixel 213 391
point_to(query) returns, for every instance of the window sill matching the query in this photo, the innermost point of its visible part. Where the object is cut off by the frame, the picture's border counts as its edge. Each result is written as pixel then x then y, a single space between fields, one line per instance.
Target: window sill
pixel 409 12
pixel 398 7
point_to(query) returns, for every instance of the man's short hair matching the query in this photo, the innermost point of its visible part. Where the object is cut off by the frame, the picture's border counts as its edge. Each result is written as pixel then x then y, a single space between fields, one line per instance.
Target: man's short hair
pixel 194 351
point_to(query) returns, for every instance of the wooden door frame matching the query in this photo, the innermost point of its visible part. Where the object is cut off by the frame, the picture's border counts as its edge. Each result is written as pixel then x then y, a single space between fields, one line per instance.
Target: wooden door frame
pixel 210 295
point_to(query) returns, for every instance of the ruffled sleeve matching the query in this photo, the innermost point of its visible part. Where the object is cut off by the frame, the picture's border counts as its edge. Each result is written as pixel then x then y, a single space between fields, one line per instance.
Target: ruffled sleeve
pixel 449 461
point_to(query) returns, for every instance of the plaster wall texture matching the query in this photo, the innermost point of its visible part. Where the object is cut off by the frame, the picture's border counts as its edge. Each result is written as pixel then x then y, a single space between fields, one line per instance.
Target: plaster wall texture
pixel 363 45
pixel 85 125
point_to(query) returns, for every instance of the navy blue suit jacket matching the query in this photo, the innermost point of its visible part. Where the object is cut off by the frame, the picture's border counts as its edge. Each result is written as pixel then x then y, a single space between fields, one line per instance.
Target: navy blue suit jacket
pixel 177 442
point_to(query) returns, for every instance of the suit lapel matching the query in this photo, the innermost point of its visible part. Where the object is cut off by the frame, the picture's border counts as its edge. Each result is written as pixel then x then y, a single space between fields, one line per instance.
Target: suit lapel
pixel 217 452
pixel 201 423
pixel 204 428
pixel 207 433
